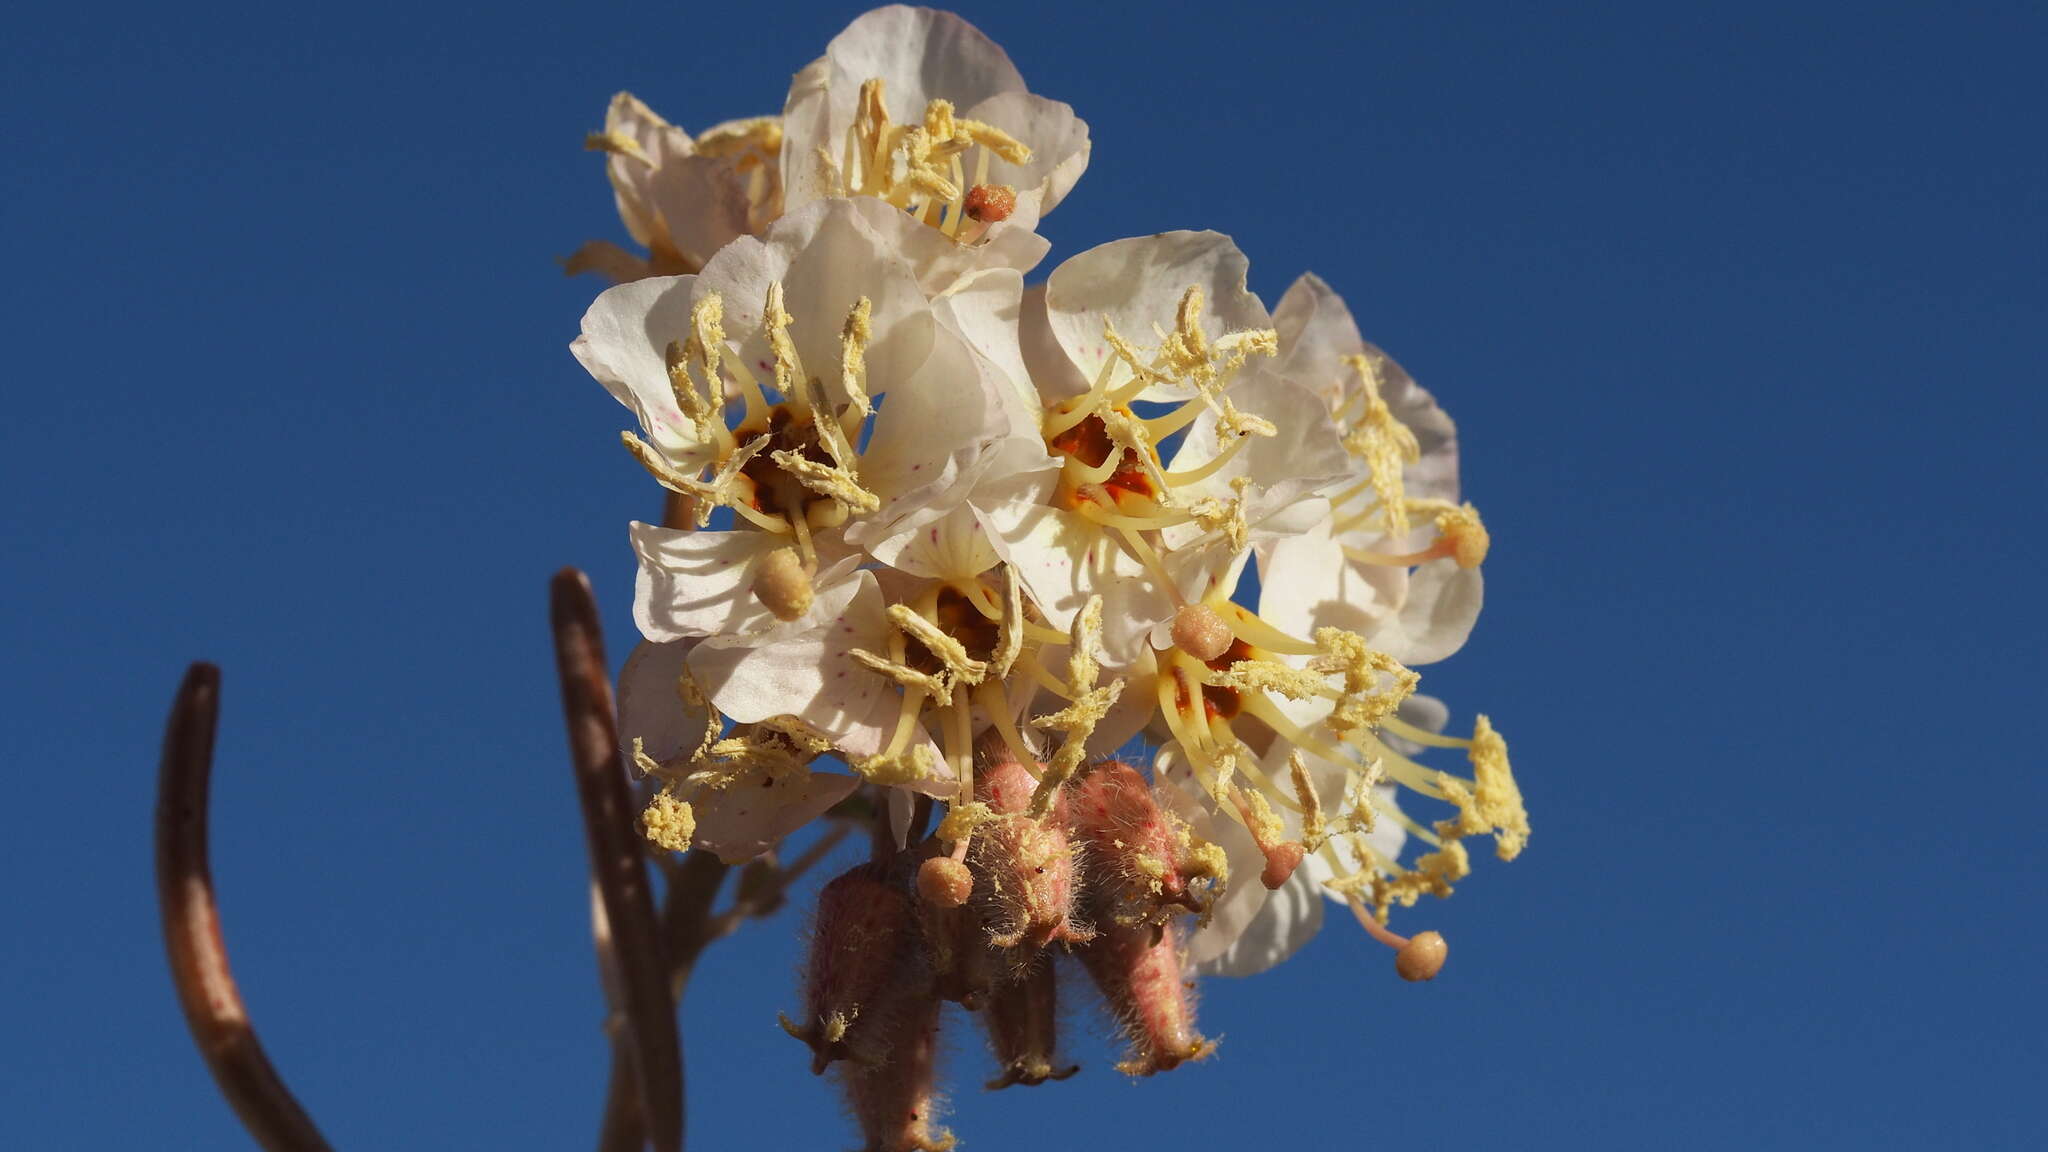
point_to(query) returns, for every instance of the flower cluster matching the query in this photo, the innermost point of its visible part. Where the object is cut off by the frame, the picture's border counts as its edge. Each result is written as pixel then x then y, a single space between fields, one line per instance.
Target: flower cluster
pixel 955 542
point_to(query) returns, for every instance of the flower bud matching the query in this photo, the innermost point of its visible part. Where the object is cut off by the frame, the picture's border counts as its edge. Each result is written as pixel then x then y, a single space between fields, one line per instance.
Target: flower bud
pixel 1022 1027
pixel 862 951
pixel 1137 967
pixel 1025 864
pixel 1141 855
pixel 894 1094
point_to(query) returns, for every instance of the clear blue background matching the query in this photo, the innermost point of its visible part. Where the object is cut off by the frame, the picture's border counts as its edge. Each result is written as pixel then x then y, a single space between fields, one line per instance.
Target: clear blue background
pixel 1739 308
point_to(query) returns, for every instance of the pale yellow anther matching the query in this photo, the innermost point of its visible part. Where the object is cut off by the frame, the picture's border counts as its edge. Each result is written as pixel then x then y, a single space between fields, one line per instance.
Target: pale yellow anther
pixel 1090 704
pixel 706 346
pixel 938 687
pixel 1385 445
pixel 1268 676
pixel 853 365
pixel 782 585
pixel 1226 517
pixel 914 765
pixel 943 647
pixel 1235 423
pixel 618 144
pixel 668 822
pixel 915 166
pixel 775 322
pixel 1374 682
pixel 1010 641
pixel 1186 351
pixel 1313 831
pixel 1494 801
pixel 962 819
pixel 1433 875
pixel 1128 432
pixel 826 480
pixel 1464 536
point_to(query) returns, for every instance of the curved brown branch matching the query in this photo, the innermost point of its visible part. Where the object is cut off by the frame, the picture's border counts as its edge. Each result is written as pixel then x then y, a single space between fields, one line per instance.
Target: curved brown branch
pixel 617 862
pixel 192 936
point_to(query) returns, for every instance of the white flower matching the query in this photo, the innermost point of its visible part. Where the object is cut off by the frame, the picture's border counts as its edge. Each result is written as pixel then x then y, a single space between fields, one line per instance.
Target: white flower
pixel 919 109
pixel 1386 563
pixel 681 198
pixel 1121 332
pixel 742 806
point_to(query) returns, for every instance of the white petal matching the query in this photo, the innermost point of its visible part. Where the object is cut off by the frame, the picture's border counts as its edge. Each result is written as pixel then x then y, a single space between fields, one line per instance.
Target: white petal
pixel 827 257
pixel 801 669
pixel 918 54
pixel 1285 920
pixel 1064 559
pixel 1137 284
pixel 1308 583
pixel 985 308
pixel 703 201
pixel 1288 468
pixel 939 262
pixel 625 334
pixel 701 583
pixel 1058 140
pixel 650 707
pixel 631 177
pixel 1053 376
pixel 745 820
pixel 1316 333
pixel 1442 604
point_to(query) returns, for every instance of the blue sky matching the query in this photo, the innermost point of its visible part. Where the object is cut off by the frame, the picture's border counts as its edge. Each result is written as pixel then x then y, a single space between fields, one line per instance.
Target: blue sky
pixel 1739 310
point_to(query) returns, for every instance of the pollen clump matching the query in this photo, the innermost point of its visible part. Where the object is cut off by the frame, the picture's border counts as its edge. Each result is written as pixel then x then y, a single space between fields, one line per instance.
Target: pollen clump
pixel 1493 803
pixel 1199 631
pixel 668 822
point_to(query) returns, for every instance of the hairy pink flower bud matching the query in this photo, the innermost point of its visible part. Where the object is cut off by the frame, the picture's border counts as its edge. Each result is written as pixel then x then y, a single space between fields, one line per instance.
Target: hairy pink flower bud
pixel 1025 865
pixel 1137 967
pixel 1139 852
pixel 862 955
pixel 1023 1027
pixel 894 1094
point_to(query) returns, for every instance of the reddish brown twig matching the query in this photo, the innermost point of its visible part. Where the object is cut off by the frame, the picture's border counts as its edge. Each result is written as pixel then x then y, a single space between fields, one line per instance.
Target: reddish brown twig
pixel 192 936
pixel 617 862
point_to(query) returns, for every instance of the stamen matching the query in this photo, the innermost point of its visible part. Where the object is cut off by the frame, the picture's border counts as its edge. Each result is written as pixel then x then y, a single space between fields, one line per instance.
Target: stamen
pixel 1416 958
pixel 1090 705
pixel 618 144
pixel 853 366
pixel 1386 445
pixel 1282 856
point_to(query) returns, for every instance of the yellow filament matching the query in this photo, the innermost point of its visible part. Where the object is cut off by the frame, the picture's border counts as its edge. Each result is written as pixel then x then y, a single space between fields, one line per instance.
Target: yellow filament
pixel 1423 736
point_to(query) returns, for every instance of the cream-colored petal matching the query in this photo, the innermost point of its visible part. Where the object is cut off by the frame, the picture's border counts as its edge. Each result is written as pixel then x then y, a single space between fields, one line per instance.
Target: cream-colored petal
pixel 1137 284
pixel 626 334
pixel 1058 140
